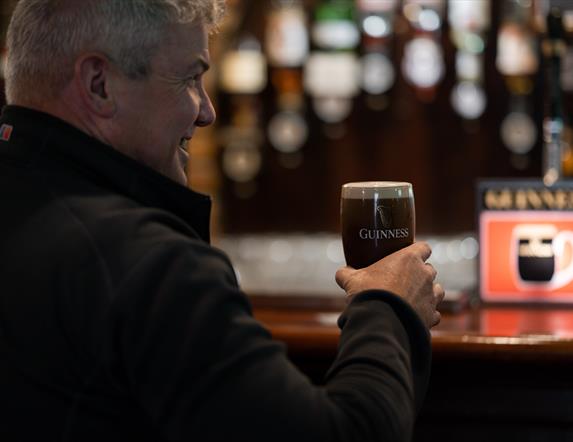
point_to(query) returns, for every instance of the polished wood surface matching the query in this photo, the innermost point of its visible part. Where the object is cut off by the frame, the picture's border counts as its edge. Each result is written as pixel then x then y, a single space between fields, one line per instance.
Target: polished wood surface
pixel 309 324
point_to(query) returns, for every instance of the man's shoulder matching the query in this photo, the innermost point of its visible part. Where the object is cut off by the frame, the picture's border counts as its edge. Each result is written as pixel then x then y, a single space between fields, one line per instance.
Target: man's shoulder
pixel 107 214
pixel 121 220
pixel 122 231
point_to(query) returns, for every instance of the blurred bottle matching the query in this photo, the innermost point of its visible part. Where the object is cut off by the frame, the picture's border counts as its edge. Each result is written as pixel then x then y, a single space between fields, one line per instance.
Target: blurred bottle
pixel 331 75
pixel 553 124
pixel 243 76
pixel 287 49
pixel 518 61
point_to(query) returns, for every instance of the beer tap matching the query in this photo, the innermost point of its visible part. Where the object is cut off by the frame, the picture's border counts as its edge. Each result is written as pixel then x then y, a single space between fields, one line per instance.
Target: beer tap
pixel 553 124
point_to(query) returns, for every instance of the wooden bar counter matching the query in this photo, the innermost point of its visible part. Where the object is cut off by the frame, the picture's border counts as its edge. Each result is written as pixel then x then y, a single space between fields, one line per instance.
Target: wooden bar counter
pixel 498 373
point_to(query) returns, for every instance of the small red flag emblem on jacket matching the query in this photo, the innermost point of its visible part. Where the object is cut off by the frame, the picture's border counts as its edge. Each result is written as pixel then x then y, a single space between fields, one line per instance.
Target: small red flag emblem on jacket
pixel 6 132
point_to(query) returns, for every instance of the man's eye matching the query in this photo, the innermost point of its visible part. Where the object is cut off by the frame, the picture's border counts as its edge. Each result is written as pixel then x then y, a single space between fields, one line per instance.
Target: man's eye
pixel 193 81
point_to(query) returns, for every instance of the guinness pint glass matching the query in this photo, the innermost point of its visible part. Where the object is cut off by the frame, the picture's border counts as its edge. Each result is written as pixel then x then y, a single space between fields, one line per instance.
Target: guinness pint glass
pixel 377 219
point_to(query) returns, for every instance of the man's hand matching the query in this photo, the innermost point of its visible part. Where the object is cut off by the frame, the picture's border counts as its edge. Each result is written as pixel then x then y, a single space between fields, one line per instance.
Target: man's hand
pixel 404 273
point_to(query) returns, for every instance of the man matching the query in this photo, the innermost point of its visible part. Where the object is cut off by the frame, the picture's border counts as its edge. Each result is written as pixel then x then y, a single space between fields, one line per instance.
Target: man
pixel 118 321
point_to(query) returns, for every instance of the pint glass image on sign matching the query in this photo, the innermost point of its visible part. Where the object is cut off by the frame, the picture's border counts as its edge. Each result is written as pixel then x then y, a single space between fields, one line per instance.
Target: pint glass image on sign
pixel 377 218
pixel 542 256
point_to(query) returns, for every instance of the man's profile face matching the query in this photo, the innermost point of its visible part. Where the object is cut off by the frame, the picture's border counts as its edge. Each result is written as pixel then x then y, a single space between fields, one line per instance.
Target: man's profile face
pixel 157 114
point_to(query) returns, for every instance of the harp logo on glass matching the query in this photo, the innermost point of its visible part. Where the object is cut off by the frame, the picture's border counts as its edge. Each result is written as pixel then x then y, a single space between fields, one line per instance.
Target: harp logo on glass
pixel 385 214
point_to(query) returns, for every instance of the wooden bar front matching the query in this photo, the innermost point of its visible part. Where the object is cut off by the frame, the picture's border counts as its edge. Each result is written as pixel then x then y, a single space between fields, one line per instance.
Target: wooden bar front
pixel 498 373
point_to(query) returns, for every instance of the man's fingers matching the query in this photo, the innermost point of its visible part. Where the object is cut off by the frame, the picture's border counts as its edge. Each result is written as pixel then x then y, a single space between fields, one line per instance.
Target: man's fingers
pixel 342 276
pixel 436 319
pixel 422 249
pixel 432 270
pixel 439 293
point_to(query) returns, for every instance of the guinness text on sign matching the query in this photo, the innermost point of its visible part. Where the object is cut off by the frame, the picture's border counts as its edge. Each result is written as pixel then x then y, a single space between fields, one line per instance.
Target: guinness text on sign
pixel 528 199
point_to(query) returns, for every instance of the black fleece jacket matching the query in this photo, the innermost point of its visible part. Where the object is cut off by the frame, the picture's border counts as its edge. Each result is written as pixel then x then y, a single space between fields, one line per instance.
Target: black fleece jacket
pixel 118 320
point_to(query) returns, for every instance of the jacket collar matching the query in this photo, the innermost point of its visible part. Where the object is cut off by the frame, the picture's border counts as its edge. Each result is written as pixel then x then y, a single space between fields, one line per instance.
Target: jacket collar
pixel 37 132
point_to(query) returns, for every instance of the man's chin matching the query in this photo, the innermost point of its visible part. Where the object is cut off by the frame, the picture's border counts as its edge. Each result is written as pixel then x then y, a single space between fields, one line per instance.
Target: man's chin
pixel 179 168
pixel 180 177
pixel 177 172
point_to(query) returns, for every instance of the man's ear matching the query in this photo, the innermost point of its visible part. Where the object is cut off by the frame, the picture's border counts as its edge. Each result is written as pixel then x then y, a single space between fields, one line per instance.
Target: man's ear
pixel 94 77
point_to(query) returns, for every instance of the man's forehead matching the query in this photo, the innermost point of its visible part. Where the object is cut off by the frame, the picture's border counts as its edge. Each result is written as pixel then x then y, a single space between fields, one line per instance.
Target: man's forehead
pixel 191 33
pixel 186 46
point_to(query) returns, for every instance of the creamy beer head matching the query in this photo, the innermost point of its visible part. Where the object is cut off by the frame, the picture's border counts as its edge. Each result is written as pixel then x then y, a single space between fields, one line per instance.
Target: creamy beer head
pixel 377 218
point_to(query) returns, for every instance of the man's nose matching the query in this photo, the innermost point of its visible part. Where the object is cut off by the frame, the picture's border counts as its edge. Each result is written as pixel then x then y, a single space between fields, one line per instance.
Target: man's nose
pixel 207 113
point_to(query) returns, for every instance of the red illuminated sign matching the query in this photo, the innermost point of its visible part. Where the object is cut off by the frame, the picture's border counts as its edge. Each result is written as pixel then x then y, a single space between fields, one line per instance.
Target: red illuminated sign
pixel 526 243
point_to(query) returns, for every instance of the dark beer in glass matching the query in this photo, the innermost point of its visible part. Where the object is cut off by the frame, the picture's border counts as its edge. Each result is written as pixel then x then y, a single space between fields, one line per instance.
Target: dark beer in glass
pixel 377 219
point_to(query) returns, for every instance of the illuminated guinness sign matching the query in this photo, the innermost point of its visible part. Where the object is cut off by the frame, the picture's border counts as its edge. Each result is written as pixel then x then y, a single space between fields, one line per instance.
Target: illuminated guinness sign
pixel 526 241
pixel 528 199
pixel 524 195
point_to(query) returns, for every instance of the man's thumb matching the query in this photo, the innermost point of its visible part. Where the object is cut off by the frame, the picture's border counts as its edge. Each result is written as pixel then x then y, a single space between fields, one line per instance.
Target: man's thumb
pixel 343 275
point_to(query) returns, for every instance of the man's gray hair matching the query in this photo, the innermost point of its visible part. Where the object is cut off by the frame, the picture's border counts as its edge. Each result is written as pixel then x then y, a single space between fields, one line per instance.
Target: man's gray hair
pixel 45 38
